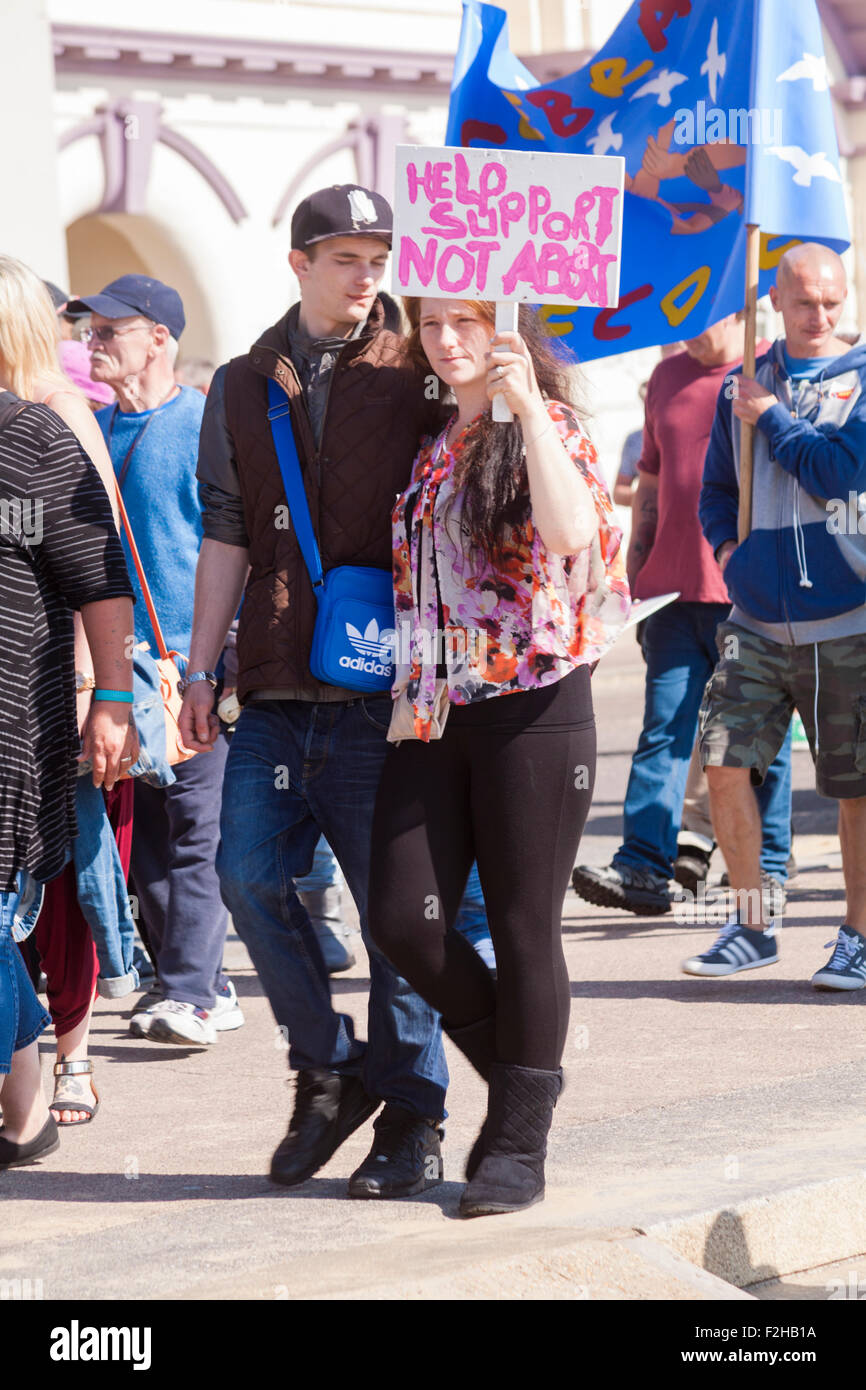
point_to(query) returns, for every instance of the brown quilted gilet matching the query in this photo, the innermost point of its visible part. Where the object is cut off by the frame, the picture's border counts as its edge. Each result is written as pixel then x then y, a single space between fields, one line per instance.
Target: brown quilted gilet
pixel 375 417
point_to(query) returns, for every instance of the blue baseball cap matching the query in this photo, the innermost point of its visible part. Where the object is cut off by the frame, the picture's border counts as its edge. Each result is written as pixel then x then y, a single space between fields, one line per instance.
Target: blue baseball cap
pixel 135 294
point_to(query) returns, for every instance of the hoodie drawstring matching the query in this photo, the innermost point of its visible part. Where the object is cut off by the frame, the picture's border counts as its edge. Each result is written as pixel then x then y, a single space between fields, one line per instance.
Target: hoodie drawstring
pixel 800 541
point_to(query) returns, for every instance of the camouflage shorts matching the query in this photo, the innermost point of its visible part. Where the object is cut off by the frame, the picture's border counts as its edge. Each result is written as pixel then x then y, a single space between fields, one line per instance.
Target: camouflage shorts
pixel 754 690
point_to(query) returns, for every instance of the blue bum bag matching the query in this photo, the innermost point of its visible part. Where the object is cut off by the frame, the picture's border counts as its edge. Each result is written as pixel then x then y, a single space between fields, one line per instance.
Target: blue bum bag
pixel 353 640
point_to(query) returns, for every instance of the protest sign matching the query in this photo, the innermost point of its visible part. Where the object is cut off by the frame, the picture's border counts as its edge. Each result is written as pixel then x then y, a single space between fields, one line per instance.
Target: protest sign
pixel 509 226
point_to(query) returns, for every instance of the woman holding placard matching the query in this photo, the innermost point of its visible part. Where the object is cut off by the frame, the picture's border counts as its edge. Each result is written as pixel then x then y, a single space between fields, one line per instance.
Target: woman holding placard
pixel 509 581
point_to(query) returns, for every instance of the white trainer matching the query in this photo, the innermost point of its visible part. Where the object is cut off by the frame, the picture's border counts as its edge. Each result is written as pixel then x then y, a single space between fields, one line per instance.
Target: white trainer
pixel 173 1021
pixel 142 1014
pixel 226 1014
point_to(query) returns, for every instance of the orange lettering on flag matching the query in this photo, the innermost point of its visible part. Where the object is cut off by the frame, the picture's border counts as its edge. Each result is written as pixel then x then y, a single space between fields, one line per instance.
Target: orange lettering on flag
pixel 609 77
pixel 770 256
pixel 558 328
pixel 525 130
pixel 675 312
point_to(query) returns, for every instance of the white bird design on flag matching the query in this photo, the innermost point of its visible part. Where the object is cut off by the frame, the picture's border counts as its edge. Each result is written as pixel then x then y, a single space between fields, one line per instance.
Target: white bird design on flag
pixel 605 138
pixel 662 85
pixel 810 66
pixel 808 166
pixel 716 62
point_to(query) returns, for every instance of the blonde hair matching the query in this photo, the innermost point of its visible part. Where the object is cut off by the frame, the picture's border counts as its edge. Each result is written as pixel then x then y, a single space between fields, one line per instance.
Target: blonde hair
pixel 29 332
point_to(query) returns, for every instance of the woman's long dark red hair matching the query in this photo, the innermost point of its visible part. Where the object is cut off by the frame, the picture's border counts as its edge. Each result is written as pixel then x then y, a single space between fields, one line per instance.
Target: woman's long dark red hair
pixel 492 468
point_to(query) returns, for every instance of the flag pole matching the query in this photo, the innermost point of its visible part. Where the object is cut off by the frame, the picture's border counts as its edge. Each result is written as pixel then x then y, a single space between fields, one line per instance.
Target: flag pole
pixel 747 432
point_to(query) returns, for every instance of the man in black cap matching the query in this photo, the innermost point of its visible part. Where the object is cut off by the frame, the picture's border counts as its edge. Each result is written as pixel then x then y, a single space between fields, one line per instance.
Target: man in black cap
pixel 305 758
pixel 152 435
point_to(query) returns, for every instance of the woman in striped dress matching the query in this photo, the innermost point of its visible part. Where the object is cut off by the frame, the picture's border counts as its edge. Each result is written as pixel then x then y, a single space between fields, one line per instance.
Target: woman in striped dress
pixel 59 553
pixel 29 367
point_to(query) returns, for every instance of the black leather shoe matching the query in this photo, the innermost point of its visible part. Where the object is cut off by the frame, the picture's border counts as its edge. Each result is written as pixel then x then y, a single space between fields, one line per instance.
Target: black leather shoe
pixel 15 1155
pixel 405 1157
pixel 328 1108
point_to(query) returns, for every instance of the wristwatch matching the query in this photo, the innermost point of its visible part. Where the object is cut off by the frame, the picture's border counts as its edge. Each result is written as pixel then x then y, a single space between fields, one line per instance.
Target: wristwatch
pixel 186 681
pixel 83 682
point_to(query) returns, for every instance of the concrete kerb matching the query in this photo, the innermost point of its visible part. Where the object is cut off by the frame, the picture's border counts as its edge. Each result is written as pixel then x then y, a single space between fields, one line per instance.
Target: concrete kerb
pixel 709 1255
pixel 772 1236
pixel 535 1255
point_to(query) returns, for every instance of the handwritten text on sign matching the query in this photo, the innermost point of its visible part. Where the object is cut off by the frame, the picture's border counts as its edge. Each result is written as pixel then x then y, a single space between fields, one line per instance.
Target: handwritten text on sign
pixel 508 225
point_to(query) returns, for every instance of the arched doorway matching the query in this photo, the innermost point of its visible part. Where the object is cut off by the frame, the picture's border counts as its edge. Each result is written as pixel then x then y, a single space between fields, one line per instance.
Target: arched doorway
pixel 104 246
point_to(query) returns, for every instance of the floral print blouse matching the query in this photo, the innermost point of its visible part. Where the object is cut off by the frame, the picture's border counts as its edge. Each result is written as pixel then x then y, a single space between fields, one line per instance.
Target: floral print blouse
pixel 520 623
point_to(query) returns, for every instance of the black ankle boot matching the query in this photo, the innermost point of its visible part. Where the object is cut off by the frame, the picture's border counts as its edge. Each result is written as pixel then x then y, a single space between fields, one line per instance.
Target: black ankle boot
pixel 328 1108
pixel 477 1042
pixel 510 1175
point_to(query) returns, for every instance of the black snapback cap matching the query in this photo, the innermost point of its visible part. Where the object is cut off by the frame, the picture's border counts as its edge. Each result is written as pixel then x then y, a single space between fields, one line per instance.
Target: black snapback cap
pixel 344 209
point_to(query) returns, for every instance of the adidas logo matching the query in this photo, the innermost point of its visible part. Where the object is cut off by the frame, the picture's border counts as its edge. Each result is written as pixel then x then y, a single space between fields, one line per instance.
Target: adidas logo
pixel 372 642
pixel 374 648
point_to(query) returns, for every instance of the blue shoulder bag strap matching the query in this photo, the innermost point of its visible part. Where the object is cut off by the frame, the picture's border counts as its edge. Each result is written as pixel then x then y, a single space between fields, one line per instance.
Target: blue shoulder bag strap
pixel 287 456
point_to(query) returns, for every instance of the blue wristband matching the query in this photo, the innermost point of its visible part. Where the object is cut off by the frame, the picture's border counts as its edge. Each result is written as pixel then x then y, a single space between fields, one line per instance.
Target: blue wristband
pixel 122 697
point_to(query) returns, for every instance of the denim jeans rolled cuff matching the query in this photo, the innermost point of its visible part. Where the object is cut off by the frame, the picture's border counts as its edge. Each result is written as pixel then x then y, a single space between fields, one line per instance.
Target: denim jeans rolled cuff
pixel 102 893
pixel 119 986
pixel 22 1017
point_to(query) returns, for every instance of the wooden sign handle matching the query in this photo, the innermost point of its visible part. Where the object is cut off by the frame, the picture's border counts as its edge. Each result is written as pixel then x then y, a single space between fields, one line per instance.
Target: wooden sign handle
pixel 506 322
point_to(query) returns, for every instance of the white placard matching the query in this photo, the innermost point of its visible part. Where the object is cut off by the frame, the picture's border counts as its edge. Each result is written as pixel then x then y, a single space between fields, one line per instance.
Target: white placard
pixel 508 225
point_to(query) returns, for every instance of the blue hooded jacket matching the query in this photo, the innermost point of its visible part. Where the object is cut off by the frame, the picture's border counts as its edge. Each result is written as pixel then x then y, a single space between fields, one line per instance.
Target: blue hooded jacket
pixel 800 576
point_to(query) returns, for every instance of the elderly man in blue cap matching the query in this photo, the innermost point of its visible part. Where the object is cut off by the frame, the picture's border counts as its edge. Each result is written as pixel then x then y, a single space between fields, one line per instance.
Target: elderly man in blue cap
pixel 152 435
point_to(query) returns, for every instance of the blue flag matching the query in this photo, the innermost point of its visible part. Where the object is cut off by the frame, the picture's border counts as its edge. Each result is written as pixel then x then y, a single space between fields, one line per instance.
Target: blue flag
pixel 723 116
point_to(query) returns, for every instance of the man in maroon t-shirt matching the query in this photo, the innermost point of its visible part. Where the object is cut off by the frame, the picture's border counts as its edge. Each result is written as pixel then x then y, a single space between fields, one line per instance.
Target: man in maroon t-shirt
pixel 668 553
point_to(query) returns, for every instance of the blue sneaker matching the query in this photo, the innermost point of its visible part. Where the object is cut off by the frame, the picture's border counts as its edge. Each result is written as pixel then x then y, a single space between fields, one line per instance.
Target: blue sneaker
pixel 735 948
pixel 846 968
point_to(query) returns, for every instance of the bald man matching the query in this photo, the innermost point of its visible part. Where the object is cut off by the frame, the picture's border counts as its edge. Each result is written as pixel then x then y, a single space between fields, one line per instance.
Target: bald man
pixel 796 635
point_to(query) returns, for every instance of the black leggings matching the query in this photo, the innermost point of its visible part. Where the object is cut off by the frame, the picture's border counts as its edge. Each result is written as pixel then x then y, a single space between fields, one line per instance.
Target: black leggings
pixel 509 784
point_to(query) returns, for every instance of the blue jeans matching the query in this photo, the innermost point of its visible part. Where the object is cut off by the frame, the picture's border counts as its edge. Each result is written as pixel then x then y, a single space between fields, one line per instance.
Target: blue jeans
pixel 680 650
pixel 102 895
pixel 325 872
pixel 472 919
pixel 295 771
pixel 22 1017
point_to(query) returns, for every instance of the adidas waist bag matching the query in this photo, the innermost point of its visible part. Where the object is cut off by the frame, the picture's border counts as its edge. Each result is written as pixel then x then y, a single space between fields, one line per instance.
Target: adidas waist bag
pixel 354 632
